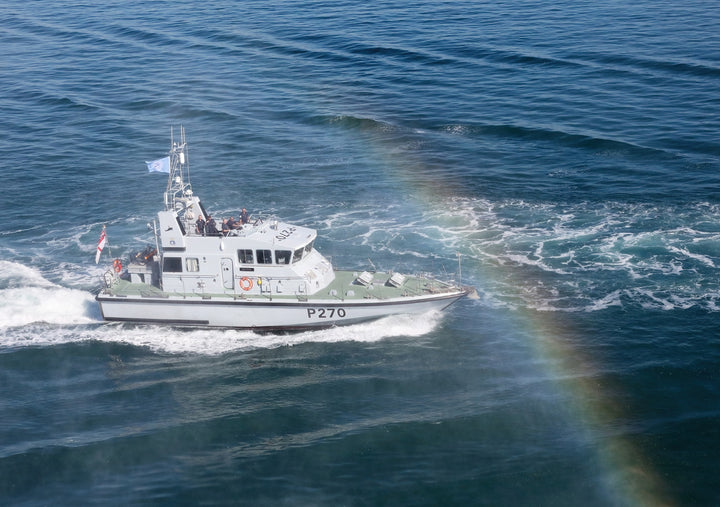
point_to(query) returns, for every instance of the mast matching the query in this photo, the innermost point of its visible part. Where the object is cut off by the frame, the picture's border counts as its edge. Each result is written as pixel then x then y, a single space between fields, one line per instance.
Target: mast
pixel 178 192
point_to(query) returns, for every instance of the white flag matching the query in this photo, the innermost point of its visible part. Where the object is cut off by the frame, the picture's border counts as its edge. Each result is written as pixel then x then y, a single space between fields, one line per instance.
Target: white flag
pixel 161 165
pixel 101 245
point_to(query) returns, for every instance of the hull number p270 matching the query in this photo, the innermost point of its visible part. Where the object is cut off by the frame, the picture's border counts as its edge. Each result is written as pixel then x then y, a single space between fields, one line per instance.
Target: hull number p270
pixel 325 313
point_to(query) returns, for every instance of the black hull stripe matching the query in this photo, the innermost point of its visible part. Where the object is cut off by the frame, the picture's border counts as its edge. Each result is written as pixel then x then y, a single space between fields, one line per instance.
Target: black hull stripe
pixel 174 322
pixel 206 324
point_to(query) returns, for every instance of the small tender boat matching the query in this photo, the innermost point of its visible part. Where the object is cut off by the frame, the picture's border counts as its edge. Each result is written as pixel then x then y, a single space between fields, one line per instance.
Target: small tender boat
pixel 261 275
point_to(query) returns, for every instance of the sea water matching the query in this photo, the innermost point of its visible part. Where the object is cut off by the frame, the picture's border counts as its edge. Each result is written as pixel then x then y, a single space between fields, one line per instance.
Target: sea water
pixel 561 157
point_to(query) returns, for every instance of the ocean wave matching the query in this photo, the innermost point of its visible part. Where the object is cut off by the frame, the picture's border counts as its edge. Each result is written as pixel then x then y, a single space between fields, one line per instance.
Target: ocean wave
pixel 362 124
pixel 672 68
pixel 498 55
pixel 558 137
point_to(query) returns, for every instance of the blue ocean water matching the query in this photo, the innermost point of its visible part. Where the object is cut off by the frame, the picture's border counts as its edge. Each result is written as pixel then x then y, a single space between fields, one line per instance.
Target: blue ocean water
pixel 567 151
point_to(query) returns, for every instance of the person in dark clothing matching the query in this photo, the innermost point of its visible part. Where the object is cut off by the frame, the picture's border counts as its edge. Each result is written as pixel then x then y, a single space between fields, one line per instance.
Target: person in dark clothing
pixel 200 226
pixel 244 217
pixel 211 227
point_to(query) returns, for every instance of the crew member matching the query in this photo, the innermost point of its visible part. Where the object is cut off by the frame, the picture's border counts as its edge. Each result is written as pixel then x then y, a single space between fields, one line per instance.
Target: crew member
pixel 200 226
pixel 211 227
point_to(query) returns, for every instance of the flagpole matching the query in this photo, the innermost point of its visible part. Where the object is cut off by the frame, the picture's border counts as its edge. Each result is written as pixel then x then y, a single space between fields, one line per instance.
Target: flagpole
pixel 107 243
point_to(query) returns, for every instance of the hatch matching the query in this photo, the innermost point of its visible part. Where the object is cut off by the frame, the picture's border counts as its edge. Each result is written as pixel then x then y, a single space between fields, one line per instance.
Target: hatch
pixel 226 266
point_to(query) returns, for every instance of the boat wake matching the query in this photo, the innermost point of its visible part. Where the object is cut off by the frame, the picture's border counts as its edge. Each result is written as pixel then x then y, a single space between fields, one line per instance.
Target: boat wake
pixel 585 257
pixel 26 297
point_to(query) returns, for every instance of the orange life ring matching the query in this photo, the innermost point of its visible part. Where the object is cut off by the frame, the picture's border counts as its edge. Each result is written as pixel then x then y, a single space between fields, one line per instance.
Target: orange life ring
pixel 245 283
pixel 117 265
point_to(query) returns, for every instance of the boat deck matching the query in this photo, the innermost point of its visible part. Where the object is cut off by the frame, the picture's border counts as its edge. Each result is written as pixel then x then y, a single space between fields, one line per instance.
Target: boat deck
pixel 346 286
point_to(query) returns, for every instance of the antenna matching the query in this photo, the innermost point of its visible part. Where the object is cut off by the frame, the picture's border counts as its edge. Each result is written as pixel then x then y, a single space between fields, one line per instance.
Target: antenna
pixel 459 268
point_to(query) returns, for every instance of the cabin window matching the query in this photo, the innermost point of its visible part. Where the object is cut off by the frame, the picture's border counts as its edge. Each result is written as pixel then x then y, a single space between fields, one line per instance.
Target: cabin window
pixel 245 256
pixel 172 265
pixel 308 248
pixel 264 256
pixel 192 265
pixel 283 256
pixel 298 255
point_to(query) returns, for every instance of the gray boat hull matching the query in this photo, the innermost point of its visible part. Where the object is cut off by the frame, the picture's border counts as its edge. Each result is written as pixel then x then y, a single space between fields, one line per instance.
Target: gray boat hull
pixel 273 314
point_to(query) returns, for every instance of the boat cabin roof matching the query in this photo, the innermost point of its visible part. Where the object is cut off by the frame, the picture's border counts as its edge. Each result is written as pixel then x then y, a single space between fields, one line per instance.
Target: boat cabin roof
pixel 177 229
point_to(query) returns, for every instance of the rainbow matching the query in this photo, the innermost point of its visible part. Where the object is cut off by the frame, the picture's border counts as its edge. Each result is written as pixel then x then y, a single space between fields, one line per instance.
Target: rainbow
pixel 625 474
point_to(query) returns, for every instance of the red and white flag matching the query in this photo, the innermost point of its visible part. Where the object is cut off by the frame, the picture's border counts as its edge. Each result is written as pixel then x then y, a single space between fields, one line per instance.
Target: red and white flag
pixel 101 245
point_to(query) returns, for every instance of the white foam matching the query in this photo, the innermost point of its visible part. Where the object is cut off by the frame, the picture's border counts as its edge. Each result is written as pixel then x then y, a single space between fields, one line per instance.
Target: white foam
pixel 13 274
pixel 216 342
pixel 26 297
pixel 612 299
pixel 54 305
pixel 597 256
pixel 699 257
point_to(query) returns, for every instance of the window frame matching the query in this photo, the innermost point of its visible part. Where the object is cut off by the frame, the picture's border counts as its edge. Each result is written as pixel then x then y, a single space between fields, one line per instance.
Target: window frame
pixel 192 264
pixel 283 255
pixel 172 265
pixel 244 258
pixel 264 256
pixel 298 254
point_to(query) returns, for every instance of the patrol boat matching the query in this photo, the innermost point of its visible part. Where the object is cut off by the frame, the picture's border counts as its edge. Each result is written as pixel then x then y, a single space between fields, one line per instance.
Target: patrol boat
pixel 263 275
